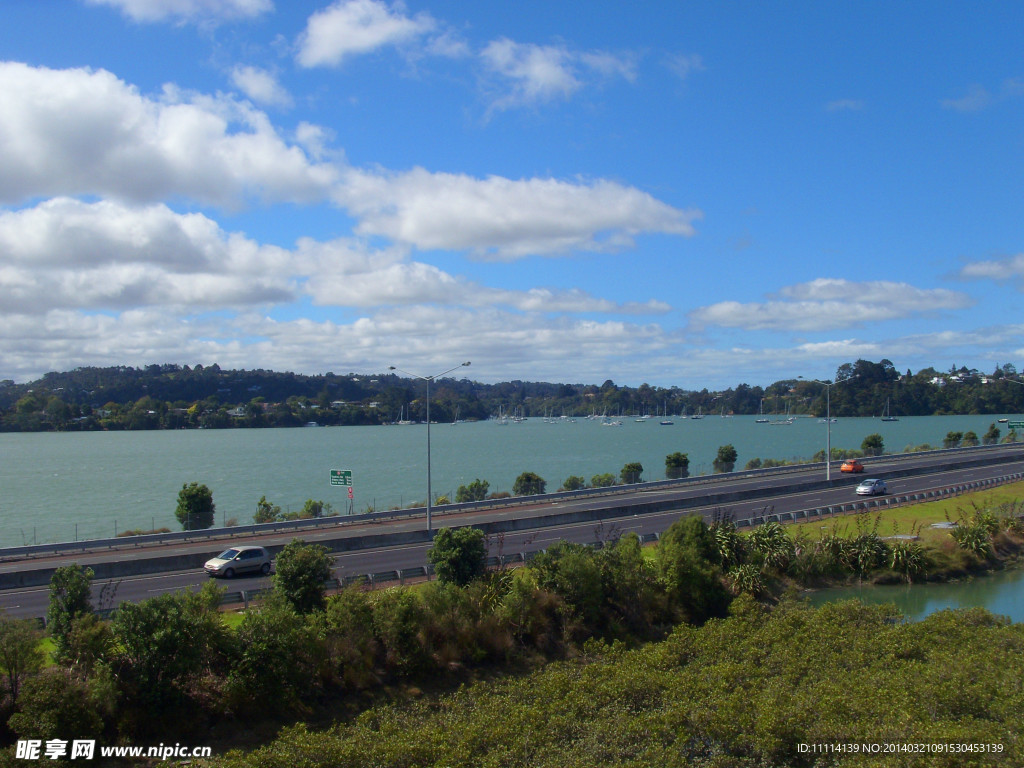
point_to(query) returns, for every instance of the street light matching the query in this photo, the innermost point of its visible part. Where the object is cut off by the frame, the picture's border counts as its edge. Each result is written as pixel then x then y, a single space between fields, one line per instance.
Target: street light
pixel 828 423
pixel 429 379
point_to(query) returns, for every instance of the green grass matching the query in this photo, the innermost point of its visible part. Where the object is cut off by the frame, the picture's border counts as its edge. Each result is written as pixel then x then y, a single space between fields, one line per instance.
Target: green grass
pixel 915 518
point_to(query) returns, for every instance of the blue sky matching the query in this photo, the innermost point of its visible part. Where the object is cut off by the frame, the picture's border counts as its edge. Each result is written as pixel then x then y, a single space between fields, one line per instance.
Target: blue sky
pixel 688 194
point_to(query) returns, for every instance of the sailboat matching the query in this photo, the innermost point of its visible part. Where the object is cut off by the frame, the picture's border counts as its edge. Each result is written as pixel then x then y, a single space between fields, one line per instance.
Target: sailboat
pixel 761 418
pixel 666 422
pixel 887 417
pixel 699 414
pixel 787 420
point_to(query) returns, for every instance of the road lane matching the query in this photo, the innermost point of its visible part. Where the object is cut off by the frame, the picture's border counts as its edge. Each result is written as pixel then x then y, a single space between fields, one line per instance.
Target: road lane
pixel 32 601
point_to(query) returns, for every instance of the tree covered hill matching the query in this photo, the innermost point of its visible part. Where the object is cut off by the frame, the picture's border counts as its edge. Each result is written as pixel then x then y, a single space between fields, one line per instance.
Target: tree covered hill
pixel 174 396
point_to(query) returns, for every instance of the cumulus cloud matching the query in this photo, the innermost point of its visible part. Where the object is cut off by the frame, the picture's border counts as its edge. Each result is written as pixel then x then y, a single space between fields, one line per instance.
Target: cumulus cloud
pixel 106 256
pixel 261 86
pixel 67 254
pixel 830 304
pixel 532 74
pixel 1008 268
pixel 188 10
pixel 352 27
pixel 86 132
pixel 502 219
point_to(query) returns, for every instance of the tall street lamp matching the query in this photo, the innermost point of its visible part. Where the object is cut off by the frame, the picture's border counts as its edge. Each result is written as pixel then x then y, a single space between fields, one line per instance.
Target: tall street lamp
pixel 828 423
pixel 429 379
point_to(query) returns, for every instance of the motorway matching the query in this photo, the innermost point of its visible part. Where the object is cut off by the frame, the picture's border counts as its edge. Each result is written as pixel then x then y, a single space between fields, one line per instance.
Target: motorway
pixel 778 493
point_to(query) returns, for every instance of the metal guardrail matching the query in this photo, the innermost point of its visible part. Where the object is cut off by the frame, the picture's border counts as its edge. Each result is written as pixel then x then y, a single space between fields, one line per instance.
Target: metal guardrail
pixel 210 534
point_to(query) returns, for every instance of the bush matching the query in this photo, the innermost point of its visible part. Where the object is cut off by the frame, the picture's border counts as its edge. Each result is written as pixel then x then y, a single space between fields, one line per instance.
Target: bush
pixel 574 483
pixel 677 466
pixel 725 461
pixel 195 508
pixel 475 491
pixel 631 473
pixel 459 556
pixel 56 705
pixel 602 481
pixel 70 597
pixel 529 484
pixel 300 572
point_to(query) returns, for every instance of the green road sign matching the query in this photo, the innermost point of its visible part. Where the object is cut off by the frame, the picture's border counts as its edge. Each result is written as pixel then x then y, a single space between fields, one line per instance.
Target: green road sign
pixel 341 477
pixel 1016 425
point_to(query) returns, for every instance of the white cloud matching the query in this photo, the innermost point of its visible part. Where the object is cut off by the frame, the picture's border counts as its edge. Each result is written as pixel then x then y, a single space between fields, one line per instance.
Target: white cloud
pixel 103 256
pixel 535 74
pixel 353 27
pixel 683 65
pixel 1008 268
pixel 85 132
pixel 501 219
pixel 261 86
pixel 65 253
pixel 978 97
pixel 845 105
pixel 829 304
pixel 188 10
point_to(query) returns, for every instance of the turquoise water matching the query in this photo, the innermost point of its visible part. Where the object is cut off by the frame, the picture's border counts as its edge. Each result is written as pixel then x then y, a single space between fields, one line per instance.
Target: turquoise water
pixel 1001 592
pixel 67 486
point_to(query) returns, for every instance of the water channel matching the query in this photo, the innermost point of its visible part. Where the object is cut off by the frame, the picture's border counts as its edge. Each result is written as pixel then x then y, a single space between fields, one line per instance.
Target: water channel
pixel 1000 592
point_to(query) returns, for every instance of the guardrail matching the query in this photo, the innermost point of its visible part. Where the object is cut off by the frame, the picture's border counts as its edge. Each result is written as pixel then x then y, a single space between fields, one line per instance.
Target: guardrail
pixel 207 534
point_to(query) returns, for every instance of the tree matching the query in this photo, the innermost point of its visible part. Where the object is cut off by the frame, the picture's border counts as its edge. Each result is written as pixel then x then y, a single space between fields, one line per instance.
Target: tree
pixel 991 437
pixel 952 439
pixel 631 472
pixel 606 480
pixel 873 445
pixel 726 459
pixel 70 598
pixel 574 483
pixel 459 556
pixel 301 570
pixel 529 484
pixel 970 439
pixel 677 466
pixel 162 644
pixel 475 491
pixel 265 511
pixel 686 559
pixel 56 705
pixel 195 507
pixel 20 654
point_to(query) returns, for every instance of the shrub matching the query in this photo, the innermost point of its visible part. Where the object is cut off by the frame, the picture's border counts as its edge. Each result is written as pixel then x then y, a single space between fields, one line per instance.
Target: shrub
pixel 529 484
pixel 300 573
pixel 574 483
pixel 195 508
pixel 459 556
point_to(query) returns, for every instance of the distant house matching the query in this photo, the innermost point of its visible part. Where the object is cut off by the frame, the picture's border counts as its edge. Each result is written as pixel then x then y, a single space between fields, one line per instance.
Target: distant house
pixel 237 412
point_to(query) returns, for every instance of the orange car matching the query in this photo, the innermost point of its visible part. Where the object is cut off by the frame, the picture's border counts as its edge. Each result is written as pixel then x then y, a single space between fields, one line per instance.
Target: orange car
pixel 851 465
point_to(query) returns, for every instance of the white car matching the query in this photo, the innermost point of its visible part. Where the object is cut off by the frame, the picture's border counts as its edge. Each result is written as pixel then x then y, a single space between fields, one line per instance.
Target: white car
pixel 871 487
pixel 236 560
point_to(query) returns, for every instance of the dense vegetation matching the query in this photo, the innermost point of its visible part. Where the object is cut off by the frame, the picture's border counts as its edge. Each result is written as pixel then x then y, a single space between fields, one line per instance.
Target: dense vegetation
pixel 180 397
pixel 743 690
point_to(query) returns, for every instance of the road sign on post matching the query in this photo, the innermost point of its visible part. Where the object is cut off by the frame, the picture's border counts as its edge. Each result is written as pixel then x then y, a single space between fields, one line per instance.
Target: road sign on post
pixel 1016 425
pixel 341 477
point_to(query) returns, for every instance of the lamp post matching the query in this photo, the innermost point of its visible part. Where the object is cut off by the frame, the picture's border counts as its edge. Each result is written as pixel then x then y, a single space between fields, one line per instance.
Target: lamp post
pixel 828 425
pixel 429 379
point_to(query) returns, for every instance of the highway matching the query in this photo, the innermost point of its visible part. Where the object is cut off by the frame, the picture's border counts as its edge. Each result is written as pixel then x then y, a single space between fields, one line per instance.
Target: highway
pixel 776 495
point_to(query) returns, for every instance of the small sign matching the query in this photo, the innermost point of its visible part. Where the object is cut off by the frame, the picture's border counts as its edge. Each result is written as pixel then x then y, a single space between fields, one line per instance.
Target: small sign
pixel 1016 425
pixel 341 477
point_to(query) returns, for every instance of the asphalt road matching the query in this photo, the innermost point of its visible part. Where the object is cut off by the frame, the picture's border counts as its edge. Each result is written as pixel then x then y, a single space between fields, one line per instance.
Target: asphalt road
pixel 778 498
